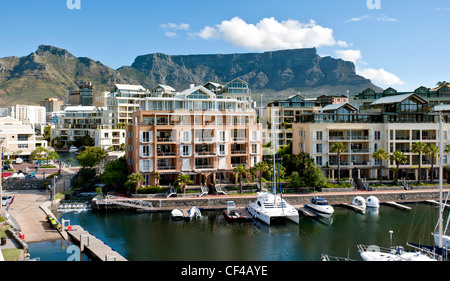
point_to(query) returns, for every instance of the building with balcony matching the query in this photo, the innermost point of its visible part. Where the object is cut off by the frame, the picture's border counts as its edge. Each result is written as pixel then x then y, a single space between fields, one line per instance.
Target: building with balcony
pixel 393 123
pixel 193 132
pixel 19 139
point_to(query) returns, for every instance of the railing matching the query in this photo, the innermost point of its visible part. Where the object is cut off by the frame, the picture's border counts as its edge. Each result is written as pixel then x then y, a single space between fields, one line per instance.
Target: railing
pixel 202 153
pixel 238 152
pixel 169 139
pixel 239 138
pixel 208 139
pixel 199 167
pixel 237 164
pixel 166 167
pixel 405 184
pixel 166 153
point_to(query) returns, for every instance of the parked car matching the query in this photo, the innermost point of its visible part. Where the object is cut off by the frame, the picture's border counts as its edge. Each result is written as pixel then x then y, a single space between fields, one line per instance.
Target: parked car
pixel 6 200
pixel 19 160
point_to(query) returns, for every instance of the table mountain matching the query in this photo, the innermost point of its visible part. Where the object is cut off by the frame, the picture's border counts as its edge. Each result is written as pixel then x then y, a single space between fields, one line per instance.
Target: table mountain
pixel 277 71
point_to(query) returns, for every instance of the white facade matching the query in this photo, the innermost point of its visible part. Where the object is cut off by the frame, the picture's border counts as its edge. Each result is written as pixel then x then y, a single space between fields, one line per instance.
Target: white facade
pixel 29 114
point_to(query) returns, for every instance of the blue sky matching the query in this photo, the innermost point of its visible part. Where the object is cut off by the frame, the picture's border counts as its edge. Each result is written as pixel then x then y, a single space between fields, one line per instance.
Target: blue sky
pixel 404 44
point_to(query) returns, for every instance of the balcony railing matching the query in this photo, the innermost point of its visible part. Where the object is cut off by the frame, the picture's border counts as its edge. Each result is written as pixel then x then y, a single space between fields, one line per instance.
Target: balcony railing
pixel 166 139
pixel 199 167
pixel 165 167
pixel 207 139
pixel 239 152
pixel 237 164
pixel 239 138
pixel 203 153
pixel 166 153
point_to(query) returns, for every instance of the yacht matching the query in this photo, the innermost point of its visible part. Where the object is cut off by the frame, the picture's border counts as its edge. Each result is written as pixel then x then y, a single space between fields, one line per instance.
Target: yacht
pixel 374 253
pixel 73 149
pixel 269 207
pixel 320 207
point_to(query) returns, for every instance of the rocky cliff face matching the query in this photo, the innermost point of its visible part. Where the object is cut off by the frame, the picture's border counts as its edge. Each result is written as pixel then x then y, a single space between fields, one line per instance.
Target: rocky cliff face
pixel 278 70
pixel 52 72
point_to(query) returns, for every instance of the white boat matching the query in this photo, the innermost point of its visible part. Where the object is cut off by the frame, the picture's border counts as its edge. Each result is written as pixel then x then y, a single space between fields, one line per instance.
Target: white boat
pixel 73 149
pixel 269 207
pixel 372 202
pixel 194 213
pixel 374 253
pixel 359 201
pixel 177 214
pixel 320 207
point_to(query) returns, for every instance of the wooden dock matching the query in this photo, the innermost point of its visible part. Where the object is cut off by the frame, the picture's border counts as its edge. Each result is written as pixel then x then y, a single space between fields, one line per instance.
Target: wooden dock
pixel 436 203
pixel 305 212
pixel 356 208
pixel 395 204
pixel 96 248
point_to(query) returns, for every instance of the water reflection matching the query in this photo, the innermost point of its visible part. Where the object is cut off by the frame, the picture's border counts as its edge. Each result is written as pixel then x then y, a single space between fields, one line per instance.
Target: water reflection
pixel 155 236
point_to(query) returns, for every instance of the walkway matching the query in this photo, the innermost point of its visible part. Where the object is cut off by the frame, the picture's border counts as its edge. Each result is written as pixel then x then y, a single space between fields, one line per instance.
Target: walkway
pixel 31 219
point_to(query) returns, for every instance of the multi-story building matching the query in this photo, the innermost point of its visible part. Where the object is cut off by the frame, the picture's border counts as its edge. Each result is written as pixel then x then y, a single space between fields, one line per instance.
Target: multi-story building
pixel 52 107
pixel 19 139
pixel 29 114
pixel 193 132
pixel 83 96
pixel 75 122
pixel 393 123
pixel 121 102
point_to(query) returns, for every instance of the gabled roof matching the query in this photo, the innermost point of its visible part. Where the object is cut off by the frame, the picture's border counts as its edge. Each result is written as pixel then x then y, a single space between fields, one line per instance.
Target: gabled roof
pixel 239 79
pixel 217 85
pixel 398 99
pixel 200 88
pixel 129 87
pixel 165 87
pixel 334 107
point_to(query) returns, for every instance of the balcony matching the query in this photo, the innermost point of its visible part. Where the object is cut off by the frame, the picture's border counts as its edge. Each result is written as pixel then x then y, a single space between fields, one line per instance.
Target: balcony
pixel 204 139
pixel 204 167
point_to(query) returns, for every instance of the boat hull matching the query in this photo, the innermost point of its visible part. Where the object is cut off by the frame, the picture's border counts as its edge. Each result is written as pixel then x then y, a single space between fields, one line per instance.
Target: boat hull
pixel 268 219
pixel 322 211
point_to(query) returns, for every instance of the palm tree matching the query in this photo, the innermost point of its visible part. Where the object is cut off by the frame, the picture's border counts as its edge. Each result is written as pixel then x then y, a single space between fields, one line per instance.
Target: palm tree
pixel 137 180
pixel 261 167
pixel 432 151
pixel 419 148
pixel 338 148
pixel 381 154
pixel 184 180
pixel 240 171
pixel 158 177
pixel 399 158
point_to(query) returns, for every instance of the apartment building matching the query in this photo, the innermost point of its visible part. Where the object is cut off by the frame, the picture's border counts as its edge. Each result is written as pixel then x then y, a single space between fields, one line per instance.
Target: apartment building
pixel 392 123
pixel 30 114
pixel 19 139
pixel 75 122
pixel 194 132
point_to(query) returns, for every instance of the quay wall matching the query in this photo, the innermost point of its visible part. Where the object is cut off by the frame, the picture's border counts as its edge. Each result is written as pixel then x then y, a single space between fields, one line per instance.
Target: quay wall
pixel 220 201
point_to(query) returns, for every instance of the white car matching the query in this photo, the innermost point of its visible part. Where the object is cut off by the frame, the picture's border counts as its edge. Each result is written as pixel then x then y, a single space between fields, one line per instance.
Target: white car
pixel 6 200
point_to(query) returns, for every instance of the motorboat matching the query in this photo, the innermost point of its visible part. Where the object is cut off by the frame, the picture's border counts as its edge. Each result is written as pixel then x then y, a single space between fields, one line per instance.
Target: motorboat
pixel 269 207
pixel 359 201
pixel 73 148
pixel 194 213
pixel 177 214
pixel 320 207
pixel 232 214
pixel 372 202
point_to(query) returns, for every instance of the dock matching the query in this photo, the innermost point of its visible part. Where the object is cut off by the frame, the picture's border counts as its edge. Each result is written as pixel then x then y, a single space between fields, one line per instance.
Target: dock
pixel 89 243
pixel 305 212
pixel 356 208
pixel 395 204
pixel 436 203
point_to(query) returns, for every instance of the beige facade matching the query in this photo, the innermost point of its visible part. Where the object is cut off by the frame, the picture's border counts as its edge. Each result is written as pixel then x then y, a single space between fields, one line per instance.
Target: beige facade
pixel 362 140
pixel 205 144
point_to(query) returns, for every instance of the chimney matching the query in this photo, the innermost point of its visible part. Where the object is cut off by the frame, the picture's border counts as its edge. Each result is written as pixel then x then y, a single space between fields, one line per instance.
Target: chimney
pixel 192 86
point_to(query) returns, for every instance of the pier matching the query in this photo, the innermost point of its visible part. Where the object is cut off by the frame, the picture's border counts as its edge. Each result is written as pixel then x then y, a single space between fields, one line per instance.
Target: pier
pixel 395 204
pixel 89 243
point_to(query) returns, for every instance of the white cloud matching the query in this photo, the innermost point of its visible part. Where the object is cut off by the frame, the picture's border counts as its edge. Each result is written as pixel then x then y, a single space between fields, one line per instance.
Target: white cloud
pixel 377 76
pixel 380 76
pixel 171 28
pixel 349 55
pixel 382 18
pixel 270 34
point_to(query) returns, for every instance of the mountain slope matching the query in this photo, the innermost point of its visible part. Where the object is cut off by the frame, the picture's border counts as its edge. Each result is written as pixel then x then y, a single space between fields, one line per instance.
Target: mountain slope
pixel 51 72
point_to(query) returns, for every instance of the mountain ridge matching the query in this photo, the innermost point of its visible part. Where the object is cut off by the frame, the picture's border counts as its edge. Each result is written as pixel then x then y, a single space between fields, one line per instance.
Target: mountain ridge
pixel 51 72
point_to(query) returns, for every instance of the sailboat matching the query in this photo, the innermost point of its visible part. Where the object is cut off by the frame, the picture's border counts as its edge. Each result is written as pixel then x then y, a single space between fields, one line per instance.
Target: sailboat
pixel 270 205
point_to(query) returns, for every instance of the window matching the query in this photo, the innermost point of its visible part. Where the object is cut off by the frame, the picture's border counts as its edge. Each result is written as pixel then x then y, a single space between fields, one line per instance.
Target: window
pixel 377 135
pixel 186 150
pixel 146 136
pixel 255 149
pixel 22 137
pixel 22 146
pixel 222 136
pixel 319 148
pixel 222 149
pixel 319 135
pixel 185 136
pixel 146 150
pixel 254 136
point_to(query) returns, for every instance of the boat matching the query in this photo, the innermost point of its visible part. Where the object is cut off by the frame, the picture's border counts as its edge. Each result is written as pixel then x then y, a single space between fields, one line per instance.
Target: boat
pixel 73 148
pixel 359 201
pixel 269 207
pixel 231 214
pixel 194 213
pixel 372 202
pixel 320 207
pixel 176 214
pixel 374 253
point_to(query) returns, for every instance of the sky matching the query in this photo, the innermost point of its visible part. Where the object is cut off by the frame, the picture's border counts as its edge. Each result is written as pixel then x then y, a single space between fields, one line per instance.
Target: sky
pixel 402 44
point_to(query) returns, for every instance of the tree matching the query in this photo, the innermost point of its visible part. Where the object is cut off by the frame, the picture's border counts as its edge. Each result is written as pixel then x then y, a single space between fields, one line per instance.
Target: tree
pixel 380 154
pixel 239 171
pixel 261 167
pixel 40 152
pixel 184 180
pixel 419 148
pixel 158 177
pixel 399 158
pixel 92 157
pixel 338 148
pixel 442 83
pixel 433 151
pixel 136 179
pixel 115 173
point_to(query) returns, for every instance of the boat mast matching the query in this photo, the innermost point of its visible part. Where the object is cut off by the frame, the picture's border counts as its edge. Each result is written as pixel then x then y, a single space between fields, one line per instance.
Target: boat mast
pixel 274 138
pixel 441 163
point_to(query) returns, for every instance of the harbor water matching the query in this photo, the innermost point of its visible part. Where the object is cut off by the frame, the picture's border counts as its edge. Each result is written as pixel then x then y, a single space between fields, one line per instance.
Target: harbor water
pixel 155 237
